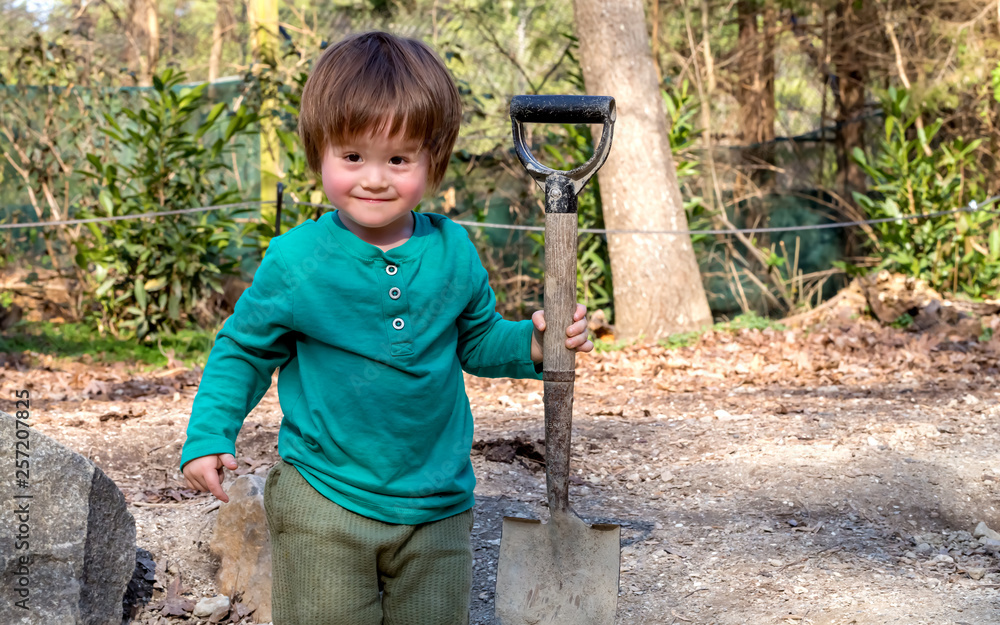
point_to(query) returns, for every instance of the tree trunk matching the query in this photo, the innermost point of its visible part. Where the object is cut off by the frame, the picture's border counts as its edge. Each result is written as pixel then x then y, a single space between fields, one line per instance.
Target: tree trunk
pixel 755 92
pixel 152 38
pixel 223 22
pixel 252 23
pixel 135 34
pixel 852 75
pixel 657 285
pixel 83 27
pixel 143 40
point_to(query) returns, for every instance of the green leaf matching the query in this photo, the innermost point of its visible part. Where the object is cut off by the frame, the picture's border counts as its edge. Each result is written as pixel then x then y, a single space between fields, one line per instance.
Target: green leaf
pixel 96 232
pixel 231 128
pixel 156 284
pixel 140 294
pixel 962 224
pixel 995 79
pixel 210 120
pixel 173 305
pixel 96 162
pixel 891 208
pixel 107 284
pixel 106 203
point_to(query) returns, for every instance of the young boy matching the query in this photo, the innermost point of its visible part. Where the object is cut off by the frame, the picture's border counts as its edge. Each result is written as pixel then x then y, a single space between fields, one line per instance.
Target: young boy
pixel 371 313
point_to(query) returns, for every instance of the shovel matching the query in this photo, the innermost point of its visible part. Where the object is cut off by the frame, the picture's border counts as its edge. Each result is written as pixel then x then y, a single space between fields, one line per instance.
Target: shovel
pixel 564 572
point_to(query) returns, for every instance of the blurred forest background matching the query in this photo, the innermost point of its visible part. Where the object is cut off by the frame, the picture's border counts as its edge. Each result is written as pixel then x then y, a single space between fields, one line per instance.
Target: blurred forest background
pixel 780 113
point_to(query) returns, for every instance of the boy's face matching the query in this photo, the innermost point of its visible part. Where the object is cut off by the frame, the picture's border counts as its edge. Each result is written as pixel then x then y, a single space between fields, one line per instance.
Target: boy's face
pixel 376 181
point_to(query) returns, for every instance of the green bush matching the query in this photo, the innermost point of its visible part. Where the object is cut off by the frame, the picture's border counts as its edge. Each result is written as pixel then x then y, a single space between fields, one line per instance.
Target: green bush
pixel 145 275
pixel 957 253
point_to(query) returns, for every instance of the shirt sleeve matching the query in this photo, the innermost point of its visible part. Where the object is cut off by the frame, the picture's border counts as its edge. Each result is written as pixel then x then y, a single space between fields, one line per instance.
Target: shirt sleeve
pixel 489 345
pixel 252 343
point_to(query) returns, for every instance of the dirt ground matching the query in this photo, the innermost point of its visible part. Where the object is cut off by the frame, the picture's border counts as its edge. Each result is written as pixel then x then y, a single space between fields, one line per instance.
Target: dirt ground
pixel 828 476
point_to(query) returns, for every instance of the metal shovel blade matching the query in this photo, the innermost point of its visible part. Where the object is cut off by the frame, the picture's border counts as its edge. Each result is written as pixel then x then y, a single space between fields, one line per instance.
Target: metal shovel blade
pixel 564 572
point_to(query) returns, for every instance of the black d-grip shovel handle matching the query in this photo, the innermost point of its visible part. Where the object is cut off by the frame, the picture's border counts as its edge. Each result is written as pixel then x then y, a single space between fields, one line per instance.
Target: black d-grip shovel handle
pixel 562 109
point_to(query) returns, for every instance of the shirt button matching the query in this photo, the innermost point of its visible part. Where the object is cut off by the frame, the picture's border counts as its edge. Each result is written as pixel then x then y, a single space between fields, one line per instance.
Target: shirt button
pixel 391 269
pixel 394 293
pixel 397 323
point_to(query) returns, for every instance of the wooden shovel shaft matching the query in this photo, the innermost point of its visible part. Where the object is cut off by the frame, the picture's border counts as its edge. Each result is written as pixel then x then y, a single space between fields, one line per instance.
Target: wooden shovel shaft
pixel 560 362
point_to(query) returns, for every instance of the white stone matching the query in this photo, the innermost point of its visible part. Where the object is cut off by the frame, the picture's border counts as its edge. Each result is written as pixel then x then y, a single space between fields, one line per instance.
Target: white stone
pixel 207 605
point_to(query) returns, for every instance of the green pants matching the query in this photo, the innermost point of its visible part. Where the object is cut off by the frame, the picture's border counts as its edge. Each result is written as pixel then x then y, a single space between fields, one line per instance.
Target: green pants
pixel 331 566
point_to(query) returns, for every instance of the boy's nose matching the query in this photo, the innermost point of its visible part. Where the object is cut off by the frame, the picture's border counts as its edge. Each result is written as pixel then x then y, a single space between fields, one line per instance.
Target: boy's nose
pixel 374 178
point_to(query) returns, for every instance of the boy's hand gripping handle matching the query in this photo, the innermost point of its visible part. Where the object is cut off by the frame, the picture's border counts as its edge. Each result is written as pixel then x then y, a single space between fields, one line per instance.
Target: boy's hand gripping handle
pixel 561 189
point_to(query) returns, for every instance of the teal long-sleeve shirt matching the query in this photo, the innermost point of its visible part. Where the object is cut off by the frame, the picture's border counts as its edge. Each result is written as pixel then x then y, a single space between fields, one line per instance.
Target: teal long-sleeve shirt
pixel 371 345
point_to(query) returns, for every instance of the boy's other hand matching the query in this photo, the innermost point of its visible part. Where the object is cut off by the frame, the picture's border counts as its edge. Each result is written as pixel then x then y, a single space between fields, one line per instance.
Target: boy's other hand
pixel 206 473
pixel 576 333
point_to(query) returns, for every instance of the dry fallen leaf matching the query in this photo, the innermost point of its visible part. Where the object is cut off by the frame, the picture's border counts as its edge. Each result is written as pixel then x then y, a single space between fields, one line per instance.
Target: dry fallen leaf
pixel 174 604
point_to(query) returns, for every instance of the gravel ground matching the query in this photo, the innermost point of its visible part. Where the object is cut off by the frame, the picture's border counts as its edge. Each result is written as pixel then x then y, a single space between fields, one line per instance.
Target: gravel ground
pixel 828 476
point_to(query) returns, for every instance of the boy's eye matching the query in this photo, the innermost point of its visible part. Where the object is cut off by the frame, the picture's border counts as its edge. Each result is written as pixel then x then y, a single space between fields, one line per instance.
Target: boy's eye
pixel 397 160
pixel 353 158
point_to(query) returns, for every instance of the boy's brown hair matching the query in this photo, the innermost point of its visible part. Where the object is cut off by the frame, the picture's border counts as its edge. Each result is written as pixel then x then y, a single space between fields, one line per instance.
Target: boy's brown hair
pixel 368 81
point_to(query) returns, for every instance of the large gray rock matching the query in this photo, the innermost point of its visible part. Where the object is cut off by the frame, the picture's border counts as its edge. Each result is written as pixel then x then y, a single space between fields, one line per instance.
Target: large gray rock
pixel 242 542
pixel 67 541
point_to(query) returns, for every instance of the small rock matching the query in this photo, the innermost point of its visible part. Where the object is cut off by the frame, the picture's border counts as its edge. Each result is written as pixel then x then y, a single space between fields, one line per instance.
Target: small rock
pixel 989 543
pixel 723 415
pixel 508 403
pixel 775 562
pixel 533 396
pixel 963 536
pixel 873 442
pixel 970 399
pixel 927 430
pixel 207 605
pixel 923 548
pixel 666 476
pixel 798 590
pixel 976 573
pixel 943 559
pixel 242 542
pixel 984 530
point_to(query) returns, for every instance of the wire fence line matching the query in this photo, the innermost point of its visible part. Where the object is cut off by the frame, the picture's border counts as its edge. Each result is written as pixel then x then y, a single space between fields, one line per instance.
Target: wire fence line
pixel 972 207
pixel 90 220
